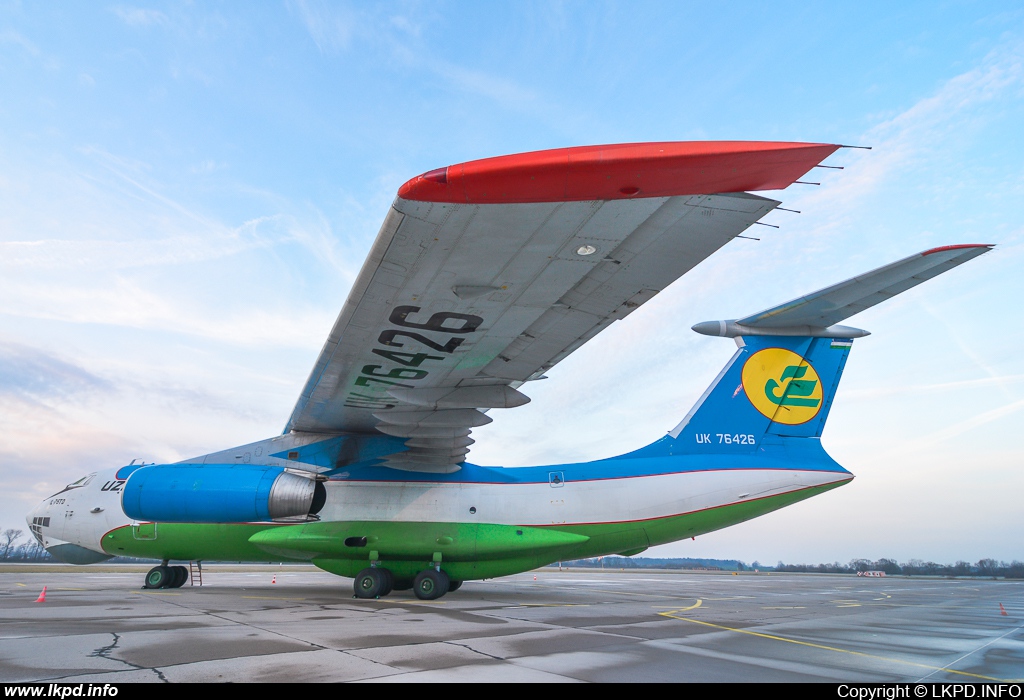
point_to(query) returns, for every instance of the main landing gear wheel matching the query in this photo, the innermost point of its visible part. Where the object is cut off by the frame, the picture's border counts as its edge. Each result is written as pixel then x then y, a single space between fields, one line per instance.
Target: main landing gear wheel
pixel 164 576
pixel 403 584
pixel 430 584
pixel 372 583
pixel 454 586
pixel 389 582
pixel 158 577
pixel 180 576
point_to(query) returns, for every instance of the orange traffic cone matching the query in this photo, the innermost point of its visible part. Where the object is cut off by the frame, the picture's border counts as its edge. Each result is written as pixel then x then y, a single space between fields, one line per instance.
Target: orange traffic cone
pixel 274 580
pixel 42 597
pixel 1002 610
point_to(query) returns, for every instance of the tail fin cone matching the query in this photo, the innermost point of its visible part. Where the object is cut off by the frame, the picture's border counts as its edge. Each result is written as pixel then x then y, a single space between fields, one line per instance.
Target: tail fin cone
pixel 734 329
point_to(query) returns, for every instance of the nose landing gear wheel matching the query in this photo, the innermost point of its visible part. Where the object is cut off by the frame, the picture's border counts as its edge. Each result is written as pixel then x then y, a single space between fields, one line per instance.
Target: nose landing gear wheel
pixel 370 583
pixel 430 584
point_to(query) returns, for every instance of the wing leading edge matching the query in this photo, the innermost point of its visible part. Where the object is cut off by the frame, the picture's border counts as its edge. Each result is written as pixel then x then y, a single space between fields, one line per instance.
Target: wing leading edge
pixel 486 274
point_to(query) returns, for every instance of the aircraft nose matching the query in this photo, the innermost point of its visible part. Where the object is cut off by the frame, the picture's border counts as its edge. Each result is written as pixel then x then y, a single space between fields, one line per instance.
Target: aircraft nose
pixel 33 517
pixel 37 519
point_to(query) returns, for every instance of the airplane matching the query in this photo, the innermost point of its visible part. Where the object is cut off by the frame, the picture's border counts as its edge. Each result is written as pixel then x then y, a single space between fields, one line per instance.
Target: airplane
pixel 483 277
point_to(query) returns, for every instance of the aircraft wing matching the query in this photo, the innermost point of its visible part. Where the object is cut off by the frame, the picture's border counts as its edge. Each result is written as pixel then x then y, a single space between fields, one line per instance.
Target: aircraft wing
pixel 486 274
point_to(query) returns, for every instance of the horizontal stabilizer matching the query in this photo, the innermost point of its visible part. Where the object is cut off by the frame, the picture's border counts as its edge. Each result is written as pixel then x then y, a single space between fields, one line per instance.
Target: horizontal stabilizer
pixel 816 314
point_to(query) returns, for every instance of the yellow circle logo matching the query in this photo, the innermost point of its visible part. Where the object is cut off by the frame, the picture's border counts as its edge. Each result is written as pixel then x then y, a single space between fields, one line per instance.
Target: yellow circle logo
pixel 782 386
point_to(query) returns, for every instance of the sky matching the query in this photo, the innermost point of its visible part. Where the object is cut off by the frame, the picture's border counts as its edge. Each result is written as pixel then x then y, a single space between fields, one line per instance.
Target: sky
pixel 188 190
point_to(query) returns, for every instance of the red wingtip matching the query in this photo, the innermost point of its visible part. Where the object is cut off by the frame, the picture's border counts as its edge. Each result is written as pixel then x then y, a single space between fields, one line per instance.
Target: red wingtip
pixel 620 171
pixel 958 247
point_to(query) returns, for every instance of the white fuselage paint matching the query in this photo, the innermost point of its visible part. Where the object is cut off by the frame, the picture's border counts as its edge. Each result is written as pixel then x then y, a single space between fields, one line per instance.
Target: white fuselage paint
pixel 626 499
pixel 83 515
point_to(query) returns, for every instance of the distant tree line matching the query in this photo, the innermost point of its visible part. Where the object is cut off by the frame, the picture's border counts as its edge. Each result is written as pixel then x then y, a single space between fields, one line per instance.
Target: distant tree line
pixel 655 563
pixel 32 551
pixel 914 567
pixel 10 550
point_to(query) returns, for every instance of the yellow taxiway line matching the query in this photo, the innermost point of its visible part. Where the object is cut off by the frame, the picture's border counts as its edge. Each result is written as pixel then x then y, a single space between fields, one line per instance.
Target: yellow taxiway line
pixel 153 593
pixel 671 614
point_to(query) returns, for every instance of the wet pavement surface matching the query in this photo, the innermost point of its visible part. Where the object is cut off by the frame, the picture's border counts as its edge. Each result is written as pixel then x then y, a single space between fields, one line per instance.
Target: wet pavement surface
pixel 98 625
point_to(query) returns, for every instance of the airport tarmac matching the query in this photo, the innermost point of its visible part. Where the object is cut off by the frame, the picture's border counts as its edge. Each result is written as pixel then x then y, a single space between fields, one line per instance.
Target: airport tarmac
pixel 98 625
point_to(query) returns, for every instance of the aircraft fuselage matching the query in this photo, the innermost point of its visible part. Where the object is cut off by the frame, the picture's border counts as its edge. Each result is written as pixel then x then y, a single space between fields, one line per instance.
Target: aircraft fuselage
pixel 480 522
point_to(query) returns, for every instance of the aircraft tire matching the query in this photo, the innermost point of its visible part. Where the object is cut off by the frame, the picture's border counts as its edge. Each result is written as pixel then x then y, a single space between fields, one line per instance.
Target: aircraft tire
pixel 389 582
pixel 454 586
pixel 180 576
pixel 158 577
pixel 368 583
pixel 430 584
pixel 402 584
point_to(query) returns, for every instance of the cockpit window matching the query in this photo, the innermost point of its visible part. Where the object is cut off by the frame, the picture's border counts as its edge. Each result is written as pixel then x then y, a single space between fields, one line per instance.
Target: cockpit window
pixel 37 526
pixel 84 481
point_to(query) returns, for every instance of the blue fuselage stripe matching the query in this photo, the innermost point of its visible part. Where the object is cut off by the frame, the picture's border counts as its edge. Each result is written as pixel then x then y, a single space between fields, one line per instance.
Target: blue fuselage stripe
pixel 591 471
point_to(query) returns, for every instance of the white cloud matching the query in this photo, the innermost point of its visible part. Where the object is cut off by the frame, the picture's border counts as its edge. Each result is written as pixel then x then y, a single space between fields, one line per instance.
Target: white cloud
pixel 12 37
pixel 403 23
pixel 477 82
pixel 206 167
pixel 128 302
pixel 330 25
pixel 920 132
pixel 938 387
pixel 139 17
pixel 333 28
pixel 953 431
pixel 31 375
pixel 120 252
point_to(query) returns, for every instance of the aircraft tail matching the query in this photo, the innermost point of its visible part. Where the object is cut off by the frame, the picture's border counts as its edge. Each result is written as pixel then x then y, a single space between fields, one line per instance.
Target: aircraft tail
pixel 781 385
pixel 783 378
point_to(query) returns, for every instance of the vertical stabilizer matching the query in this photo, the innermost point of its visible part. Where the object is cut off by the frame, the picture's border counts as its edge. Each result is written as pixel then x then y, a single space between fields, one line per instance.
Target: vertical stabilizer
pixel 772 386
pixel 783 378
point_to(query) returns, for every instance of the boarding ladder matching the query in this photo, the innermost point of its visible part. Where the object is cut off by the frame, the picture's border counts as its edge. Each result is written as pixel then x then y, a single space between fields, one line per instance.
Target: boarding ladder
pixel 195 570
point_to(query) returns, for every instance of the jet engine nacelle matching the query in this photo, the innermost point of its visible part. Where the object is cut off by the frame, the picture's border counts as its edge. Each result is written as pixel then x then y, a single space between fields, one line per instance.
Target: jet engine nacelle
pixel 212 493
